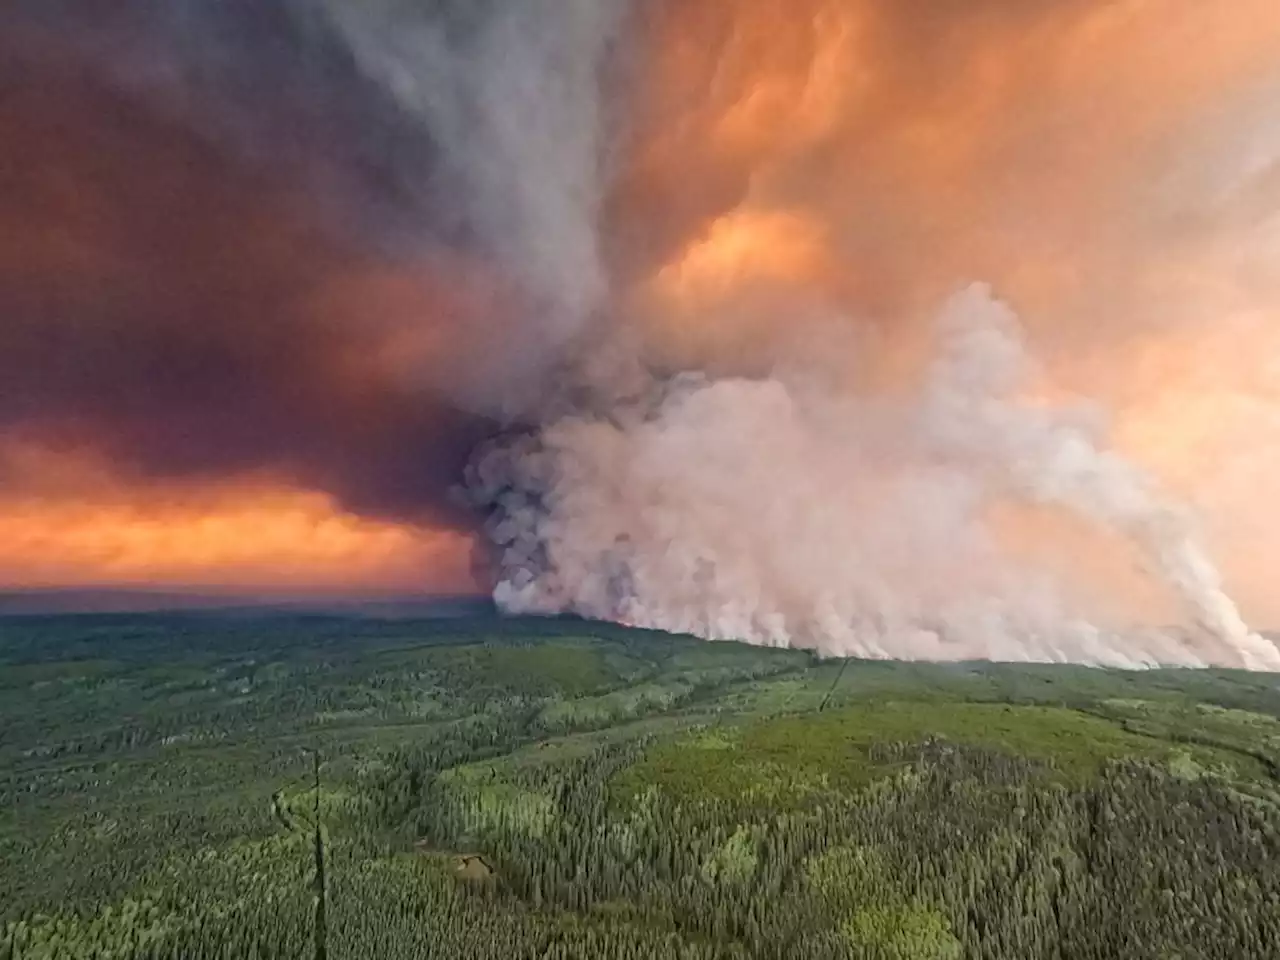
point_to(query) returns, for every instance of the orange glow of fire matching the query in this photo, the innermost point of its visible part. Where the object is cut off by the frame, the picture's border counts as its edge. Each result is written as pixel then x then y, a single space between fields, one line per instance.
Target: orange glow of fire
pixel 259 538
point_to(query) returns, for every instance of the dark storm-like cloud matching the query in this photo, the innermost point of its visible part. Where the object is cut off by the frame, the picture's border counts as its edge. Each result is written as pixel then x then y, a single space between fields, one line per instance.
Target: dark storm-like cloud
pixel 228 246
pixel 269 83
pixel 188 312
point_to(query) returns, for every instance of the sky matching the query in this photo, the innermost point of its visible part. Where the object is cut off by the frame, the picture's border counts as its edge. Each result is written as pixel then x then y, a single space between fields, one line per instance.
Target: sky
pixel 272 272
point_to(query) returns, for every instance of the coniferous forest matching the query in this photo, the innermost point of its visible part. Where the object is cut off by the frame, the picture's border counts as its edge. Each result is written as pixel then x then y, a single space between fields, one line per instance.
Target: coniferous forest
pixel 200 786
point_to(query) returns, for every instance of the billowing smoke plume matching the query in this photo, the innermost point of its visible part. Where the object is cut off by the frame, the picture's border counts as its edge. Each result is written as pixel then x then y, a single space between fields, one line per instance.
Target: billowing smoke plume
pixel 859 159
pixel 781 511
pixel 678 280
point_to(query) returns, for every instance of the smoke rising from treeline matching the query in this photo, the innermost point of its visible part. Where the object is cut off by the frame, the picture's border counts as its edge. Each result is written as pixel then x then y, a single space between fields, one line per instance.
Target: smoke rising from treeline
pixel 780 511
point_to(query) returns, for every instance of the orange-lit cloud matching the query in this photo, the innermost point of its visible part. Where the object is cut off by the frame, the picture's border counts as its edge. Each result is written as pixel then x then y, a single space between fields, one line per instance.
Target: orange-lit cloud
pixel 1111 168
pixel 67 519
pixel 260 541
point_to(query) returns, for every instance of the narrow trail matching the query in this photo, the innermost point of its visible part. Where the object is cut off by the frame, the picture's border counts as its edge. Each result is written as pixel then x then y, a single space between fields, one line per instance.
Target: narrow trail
pixel 844 664
pixel 321 926
pixel 280 811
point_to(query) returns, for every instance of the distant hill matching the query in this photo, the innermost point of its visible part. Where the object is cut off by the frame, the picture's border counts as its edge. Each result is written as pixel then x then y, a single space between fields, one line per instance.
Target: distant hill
pixel 112 600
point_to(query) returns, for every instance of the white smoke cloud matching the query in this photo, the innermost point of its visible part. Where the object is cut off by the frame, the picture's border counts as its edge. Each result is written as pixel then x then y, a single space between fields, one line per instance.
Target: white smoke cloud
pixel 784 512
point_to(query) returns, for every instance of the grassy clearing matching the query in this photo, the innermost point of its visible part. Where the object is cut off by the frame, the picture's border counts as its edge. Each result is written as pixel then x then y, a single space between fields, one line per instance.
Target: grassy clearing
pixel 787 759
pixel 788 694
pixel 615 707
pixel 873 915
pixel 735 861
pixel 1243 739
pixel 902 933
pixel 555 668
pixel 487 803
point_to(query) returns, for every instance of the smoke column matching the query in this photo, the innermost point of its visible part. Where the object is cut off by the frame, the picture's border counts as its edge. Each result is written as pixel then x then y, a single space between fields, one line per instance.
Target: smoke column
pixel 779 511
pixel 754 319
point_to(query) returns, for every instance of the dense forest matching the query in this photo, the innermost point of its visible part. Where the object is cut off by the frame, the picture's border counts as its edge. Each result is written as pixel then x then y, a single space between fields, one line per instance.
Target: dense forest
pixel 199 786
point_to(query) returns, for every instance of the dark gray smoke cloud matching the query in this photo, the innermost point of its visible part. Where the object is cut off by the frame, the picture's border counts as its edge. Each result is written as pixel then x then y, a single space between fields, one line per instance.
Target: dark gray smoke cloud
pixel 331 241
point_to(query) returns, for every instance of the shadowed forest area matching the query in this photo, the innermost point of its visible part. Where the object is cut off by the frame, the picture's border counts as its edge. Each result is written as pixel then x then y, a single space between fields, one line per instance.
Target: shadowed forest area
pixel 213 786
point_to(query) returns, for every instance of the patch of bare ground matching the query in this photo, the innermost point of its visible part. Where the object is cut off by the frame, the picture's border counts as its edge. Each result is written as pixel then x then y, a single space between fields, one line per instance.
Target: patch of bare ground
pixel 466 866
